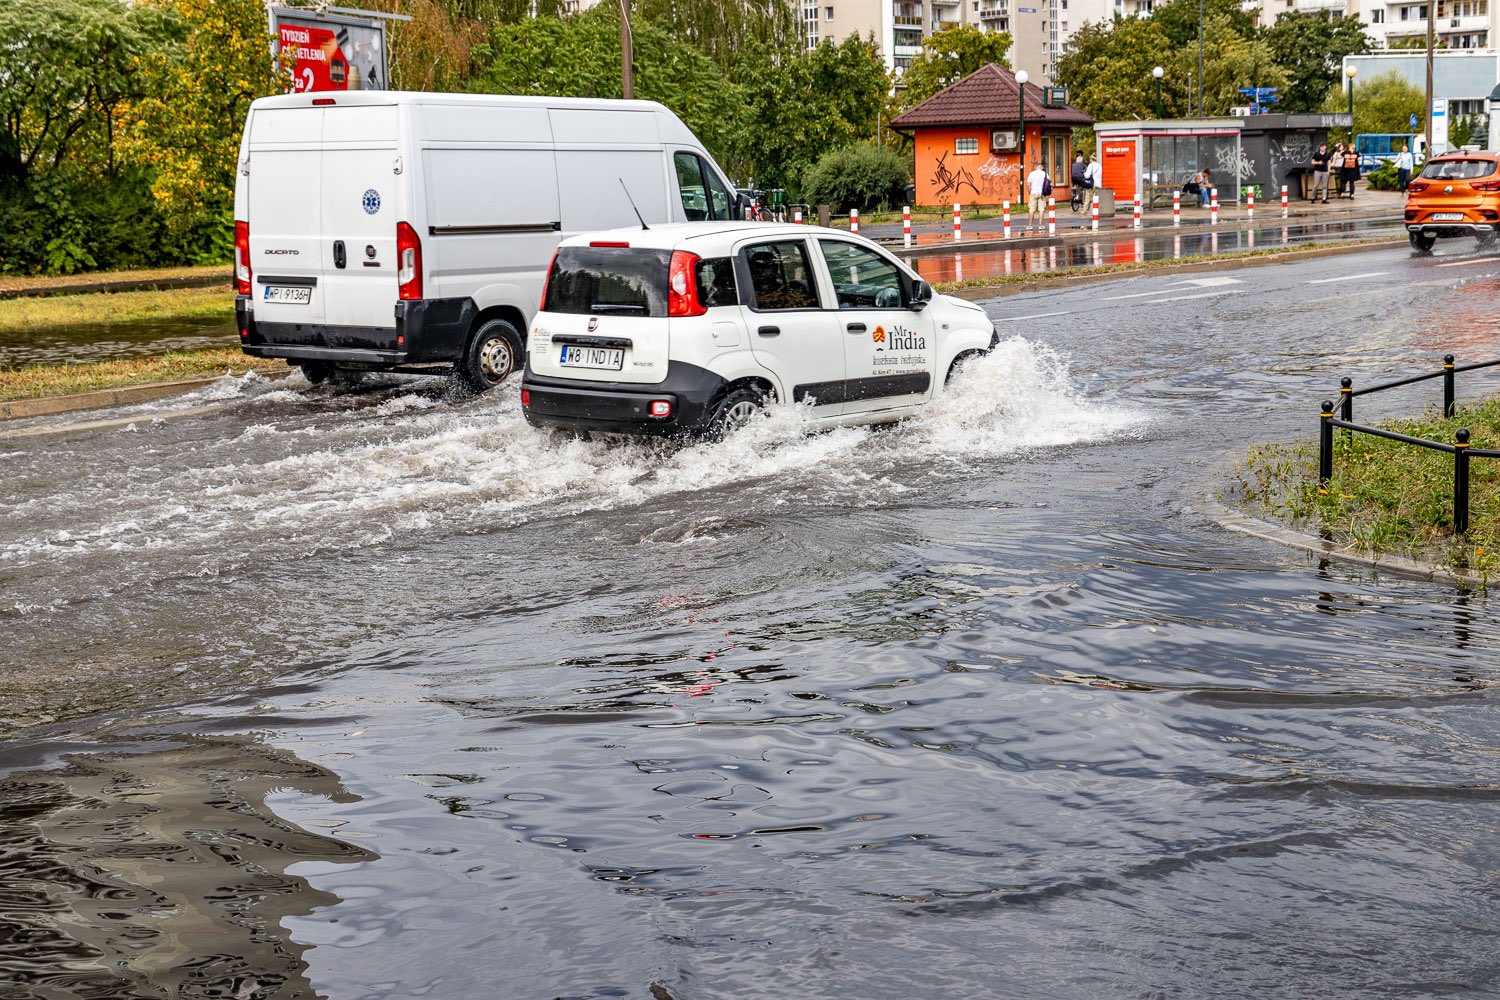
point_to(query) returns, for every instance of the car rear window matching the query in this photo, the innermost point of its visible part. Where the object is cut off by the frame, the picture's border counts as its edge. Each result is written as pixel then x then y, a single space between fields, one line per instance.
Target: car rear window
pixel 593 280
pixel 1457 170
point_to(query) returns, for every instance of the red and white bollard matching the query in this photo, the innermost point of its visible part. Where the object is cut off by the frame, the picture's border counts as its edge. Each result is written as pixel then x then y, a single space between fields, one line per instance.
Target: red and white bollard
pixel 1213 206
pixel 1094 214
pixel 906 225
pixel 1283 201
pixel 1137 214
pixel 1005 217
pixel 797 216
pixel 854 220
pixel 958 223
pixel 1249 204
pixel 1051 216
pixel 1177 208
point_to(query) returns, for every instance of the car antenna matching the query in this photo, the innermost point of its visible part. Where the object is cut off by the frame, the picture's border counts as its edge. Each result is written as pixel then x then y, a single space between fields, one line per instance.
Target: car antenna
pixel 632 203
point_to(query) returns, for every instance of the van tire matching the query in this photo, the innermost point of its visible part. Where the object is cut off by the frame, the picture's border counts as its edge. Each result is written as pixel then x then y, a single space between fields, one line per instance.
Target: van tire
pixel 492 354
pixel 734 411
pixel 316 372
pixel 1422 244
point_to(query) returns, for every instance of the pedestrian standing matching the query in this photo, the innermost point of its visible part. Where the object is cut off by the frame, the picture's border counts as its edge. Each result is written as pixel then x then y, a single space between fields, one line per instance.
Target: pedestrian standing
pixel 1404 164
pixel 1093 176
pixel 1320 173
pixel 1037 187
pixel 1351 169
pixel 1336 166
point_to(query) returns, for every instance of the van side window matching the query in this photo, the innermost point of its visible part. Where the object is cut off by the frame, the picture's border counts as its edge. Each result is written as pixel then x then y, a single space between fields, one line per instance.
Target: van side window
pixel 862 279
pixel 718 195
pixel 690 182
pixel 780 277
pixel 716 285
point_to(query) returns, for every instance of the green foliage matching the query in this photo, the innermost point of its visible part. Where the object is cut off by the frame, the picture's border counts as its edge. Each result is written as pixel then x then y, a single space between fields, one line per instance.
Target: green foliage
pixel 1383 177
pixel 1383 103
pixel 1311 47
pixel 1230 61
pixel 948 56
pixel 1108 70
pixel 1179 21
pixel 58 223
pixel 863 176
pixel 1460 131
pixel 721 28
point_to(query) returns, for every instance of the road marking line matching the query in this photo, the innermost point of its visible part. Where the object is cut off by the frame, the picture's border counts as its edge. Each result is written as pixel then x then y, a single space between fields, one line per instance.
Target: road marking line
pixel 1349 277
pixel 1209 282
pixel 1137 295
pixel 1016 319
pixel 1477 260
pixel 1204 295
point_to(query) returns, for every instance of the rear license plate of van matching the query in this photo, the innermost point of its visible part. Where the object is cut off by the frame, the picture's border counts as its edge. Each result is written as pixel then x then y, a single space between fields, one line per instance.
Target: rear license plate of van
pixel 1447 216
pixel 593 357
pixel 297 295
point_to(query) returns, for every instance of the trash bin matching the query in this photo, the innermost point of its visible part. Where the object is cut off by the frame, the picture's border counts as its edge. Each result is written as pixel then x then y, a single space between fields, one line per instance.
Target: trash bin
pixel 1106 201
pixel 911 194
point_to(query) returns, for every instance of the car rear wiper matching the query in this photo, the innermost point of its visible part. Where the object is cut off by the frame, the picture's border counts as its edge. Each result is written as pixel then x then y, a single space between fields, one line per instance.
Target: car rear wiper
pixel 616 307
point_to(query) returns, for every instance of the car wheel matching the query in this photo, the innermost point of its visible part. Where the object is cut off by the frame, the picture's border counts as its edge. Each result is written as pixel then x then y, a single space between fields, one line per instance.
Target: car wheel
pixel 958 363
pixel 316 372
pixel 734 411
pixel 491 356
pixel 1422 244
pixel 1486 240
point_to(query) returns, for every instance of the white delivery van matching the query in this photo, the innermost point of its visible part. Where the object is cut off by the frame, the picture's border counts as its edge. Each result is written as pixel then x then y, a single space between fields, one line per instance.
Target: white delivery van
pixel 381 230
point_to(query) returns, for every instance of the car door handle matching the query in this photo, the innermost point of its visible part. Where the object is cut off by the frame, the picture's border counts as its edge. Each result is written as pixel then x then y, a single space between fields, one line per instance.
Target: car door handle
pixel 769 331
pixel 339 256
pixel 855 328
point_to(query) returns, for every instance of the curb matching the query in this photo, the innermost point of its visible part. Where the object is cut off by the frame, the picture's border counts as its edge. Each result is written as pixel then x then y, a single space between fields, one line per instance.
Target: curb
pixel 1084 276
pixel 128 285
pixel 51 405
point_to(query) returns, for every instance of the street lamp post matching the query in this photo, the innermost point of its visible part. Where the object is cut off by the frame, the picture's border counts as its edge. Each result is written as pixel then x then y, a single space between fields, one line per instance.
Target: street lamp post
pixel 1157 73
pixel 1351 72
pixel 1021 77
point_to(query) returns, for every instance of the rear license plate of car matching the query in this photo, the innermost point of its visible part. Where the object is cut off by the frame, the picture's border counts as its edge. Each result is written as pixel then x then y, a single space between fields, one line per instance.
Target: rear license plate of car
pixel 1447 216
pixel 593 357
pixel 297 295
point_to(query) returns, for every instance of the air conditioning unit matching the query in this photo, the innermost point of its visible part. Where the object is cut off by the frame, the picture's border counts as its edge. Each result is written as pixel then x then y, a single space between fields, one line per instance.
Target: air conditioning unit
pixel 1002 141
pixel 1240 112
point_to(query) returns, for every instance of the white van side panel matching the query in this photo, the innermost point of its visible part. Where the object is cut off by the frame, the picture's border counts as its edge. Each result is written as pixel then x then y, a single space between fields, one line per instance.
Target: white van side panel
pixel 604 127
pixel 468 123
pixel 589 181
pixel 490 187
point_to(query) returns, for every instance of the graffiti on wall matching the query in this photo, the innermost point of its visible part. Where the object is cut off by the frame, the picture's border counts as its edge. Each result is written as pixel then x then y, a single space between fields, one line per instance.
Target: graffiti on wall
pixel 1234 162
pixel 1293 151
pixel 950 183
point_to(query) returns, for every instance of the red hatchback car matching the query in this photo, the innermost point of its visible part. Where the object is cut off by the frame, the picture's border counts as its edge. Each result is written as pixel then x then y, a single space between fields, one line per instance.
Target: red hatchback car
pixel 1456 194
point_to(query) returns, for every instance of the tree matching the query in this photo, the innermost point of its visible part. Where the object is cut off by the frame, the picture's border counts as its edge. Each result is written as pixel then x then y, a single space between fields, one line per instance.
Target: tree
pixel 1179 20
pixel 948 56
pixel 1230 61
pixel 1383 103
pixel 860 176
pixel 720 28
pixel 1108 70
pixel 1311 47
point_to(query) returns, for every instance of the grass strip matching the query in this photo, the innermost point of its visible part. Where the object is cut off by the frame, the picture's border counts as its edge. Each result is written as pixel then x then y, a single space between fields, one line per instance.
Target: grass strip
pixel 30 285
pixel 1386 497
pixel 1043 277
pixel 102 309
pixel 38 381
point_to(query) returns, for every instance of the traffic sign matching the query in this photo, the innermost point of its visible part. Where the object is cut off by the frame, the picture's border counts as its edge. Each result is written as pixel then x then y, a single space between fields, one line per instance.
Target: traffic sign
pixel 1413 124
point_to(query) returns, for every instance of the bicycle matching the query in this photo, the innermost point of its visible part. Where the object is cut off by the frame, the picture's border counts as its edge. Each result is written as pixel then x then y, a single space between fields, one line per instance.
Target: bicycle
pixel 1078 197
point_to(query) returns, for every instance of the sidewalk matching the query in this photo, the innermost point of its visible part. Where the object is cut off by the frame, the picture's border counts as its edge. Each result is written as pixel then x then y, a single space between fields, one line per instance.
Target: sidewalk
pixel 1365 206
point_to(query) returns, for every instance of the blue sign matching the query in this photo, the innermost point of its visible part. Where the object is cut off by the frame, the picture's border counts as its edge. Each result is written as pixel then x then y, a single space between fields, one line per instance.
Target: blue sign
pixel 1261 92
pixel 371 201
pixel 1413 124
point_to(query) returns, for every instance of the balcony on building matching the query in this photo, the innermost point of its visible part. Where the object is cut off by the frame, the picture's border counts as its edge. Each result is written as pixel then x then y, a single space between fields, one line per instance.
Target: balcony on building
pixel 907 14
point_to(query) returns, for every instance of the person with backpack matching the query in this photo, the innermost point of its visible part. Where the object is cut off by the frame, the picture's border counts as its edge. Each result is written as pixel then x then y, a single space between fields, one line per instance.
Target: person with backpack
pixel 1351 169
pixel 1038 187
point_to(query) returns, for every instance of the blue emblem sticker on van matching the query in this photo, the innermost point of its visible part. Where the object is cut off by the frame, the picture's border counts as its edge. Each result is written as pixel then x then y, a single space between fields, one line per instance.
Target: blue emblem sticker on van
pixel 371 201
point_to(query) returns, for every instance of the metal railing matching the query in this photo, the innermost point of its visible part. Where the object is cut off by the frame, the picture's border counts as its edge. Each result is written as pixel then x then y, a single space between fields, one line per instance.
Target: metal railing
pixel 1459 449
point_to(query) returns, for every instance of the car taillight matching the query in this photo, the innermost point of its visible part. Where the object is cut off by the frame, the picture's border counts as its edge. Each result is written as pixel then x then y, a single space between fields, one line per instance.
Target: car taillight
pixel 1415 186
pixel 408 262
pixel 661 408
pixel 682 287
pixel 241 257
pixel 547 280
pixel 1486 185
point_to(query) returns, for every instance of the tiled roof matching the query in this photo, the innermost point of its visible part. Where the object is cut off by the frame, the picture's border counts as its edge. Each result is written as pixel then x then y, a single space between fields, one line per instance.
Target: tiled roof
pixel 987 96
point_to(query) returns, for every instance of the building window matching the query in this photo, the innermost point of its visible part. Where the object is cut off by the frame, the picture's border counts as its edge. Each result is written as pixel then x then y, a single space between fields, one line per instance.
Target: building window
pixel 1377 16
pixel 966 145
pixel 828 12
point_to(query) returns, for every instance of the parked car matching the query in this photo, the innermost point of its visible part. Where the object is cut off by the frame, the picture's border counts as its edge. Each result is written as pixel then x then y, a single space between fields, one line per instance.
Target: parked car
pixel 379 230
pixel 693 329
pixel 1456 194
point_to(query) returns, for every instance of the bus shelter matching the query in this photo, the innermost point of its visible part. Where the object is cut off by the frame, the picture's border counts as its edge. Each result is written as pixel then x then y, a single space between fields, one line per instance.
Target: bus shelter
pixel 1155 158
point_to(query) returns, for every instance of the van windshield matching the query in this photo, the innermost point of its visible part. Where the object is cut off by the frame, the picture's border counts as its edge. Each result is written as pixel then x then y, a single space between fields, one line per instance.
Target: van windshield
pixel 1457 170
pixel 622 280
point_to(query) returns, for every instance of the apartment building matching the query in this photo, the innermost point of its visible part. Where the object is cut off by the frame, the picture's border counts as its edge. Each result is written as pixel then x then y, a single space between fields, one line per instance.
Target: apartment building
pixel 1399 24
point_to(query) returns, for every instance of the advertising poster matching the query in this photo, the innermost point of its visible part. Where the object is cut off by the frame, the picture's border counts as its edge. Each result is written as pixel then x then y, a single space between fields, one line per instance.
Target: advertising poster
pixel 329 51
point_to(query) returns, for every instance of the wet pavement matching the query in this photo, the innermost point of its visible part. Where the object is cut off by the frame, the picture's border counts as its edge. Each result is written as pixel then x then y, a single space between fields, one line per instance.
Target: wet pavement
pixel 60 345
pixel 402 698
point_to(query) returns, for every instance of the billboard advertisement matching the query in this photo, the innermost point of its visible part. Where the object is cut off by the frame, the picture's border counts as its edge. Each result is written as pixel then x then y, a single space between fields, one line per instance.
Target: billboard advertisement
pixel 331 51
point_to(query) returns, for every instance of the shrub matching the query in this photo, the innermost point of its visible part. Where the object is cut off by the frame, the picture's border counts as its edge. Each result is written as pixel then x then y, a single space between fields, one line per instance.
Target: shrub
pixel 862 176
pixel 1383 177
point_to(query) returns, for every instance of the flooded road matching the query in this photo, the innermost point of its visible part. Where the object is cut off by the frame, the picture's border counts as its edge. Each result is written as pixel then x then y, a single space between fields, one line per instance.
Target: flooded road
pixel 412 700
pixel 77 344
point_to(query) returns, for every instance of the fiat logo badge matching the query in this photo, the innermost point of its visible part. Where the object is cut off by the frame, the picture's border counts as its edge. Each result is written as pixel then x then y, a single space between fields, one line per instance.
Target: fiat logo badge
pixel 593 323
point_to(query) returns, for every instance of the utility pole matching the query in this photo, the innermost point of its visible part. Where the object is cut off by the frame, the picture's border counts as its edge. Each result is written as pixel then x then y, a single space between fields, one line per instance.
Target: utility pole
pixel 1200 55
pixel 1431 14
pixel 627 55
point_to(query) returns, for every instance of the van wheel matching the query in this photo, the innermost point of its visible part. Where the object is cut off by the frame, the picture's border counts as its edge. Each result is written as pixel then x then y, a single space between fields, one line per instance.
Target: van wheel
pixel 348 378
pixel 1422 244
pixel 316 372
pixel 734 411
pixel 491 356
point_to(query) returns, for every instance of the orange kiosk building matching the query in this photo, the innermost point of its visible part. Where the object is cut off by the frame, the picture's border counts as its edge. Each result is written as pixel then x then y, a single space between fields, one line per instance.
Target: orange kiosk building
pixel 968 139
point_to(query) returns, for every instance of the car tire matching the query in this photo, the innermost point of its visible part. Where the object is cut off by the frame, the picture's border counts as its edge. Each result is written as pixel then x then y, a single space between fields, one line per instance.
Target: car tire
pixel 1422 244
pixel 958 363
pixel 734 411
pixel 491 355
pixel 1486 240
pixel 316 372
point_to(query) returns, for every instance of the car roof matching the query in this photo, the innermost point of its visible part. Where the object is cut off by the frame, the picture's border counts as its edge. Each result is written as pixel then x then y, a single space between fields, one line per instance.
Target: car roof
pixel 1467 154
pixel 670 236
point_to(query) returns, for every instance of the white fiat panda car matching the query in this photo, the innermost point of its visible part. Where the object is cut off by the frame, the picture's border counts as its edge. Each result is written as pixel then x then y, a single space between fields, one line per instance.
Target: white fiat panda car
pixel 693 328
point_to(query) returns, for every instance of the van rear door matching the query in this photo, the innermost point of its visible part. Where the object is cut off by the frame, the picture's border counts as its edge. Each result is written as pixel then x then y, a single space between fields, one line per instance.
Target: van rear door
pixel 358 215
pixel 284 183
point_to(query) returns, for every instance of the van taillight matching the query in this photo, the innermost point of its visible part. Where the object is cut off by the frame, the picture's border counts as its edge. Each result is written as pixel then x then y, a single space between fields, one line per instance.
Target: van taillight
pixel 547 280
pixel 408 262
pixel 682 286
pixel 241 258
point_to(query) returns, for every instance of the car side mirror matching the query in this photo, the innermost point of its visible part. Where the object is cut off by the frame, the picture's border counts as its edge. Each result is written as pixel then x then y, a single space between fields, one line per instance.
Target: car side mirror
pixel 921 294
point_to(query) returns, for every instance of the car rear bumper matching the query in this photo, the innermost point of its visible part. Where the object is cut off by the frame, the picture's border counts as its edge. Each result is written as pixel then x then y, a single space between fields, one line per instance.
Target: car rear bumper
pixel 623 407
pixel 425 331
pixel 1449 229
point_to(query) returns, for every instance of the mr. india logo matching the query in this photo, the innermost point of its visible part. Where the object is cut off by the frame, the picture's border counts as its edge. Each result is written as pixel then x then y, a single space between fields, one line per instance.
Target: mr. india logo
pixel 371 201
pixel 898 338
